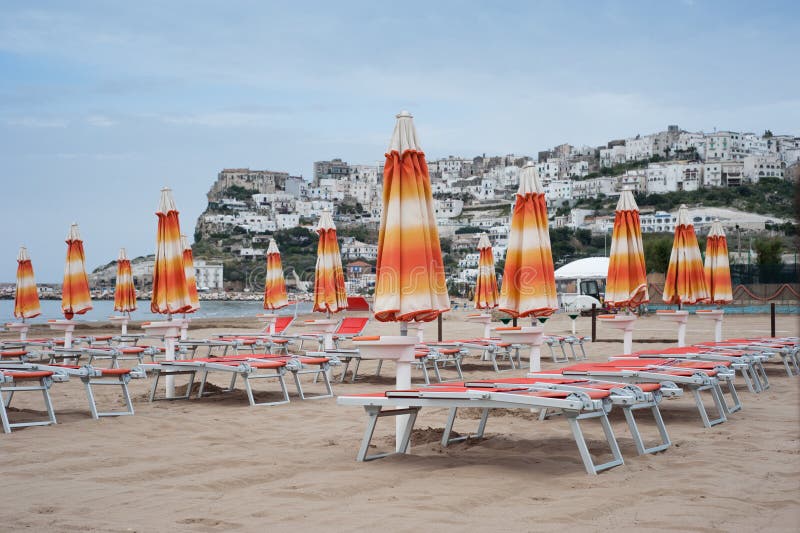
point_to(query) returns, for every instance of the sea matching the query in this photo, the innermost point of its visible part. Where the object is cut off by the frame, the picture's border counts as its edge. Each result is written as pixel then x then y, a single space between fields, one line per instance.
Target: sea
pixel 102 309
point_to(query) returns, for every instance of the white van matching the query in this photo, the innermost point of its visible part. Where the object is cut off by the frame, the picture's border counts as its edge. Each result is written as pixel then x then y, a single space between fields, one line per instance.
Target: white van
pixel 582 283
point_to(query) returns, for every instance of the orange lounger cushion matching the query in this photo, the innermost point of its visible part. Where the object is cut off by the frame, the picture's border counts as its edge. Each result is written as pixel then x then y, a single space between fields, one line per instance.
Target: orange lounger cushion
pixel 27 374
pixel 12 353
pixel 367 338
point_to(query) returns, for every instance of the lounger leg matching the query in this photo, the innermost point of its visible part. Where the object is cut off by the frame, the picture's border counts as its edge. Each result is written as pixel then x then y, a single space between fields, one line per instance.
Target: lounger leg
pixel 355 370
pixel 155 385
pixel 719 401
pixel 637 436
pixel 378 370
pixel 737 403
pixel 448 428
pixel 4 415
pixel 375 412
pixel 344 370
pixel 249 391
pixel 90 396
pixel 751 383
pixel 436 370
pixel 298 385
pixel 583 449
pixel 458 367
pixel 760 370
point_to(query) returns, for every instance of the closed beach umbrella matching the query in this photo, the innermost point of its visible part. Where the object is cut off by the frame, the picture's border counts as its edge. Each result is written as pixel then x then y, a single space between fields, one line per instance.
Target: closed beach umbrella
pixel 275 285
pixel 410 282
pixel 329 290
pixel 626 285
pixel 75 297
pixel 685 282
pixel 717 268
pixel 170 294
pixel 486 294
pixel 529 286
pixel 26 298
pixel 124 291
pixel 188 270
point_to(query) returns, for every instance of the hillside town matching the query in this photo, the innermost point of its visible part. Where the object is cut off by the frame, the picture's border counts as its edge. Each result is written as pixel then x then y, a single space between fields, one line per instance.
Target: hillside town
pixel 245 206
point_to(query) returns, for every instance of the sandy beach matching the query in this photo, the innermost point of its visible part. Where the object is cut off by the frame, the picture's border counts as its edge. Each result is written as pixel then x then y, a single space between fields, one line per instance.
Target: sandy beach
pixel 217 464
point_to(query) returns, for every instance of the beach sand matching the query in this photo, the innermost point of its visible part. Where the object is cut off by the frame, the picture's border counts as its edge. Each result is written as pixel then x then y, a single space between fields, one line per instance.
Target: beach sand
pixel 217 464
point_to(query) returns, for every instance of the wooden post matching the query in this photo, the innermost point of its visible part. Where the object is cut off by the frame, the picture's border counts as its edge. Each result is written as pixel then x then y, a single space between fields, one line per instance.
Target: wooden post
pixel 439 323
pixel 594 322
pixel 772 319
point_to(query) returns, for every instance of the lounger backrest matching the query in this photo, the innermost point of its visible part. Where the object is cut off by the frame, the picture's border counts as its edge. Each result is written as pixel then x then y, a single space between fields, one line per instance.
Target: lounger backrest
pixel 357 303
pixel 282 322
pixel 352 325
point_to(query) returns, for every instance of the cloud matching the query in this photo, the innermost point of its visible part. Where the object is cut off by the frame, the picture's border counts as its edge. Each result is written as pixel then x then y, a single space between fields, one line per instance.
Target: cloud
pixel 100 121
pixel 37 122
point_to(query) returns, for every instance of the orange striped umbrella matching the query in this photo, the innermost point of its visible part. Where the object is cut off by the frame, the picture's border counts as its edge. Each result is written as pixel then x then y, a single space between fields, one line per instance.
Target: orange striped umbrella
pixel 275 284
pixel 717 268
pixel 329 291
pixel 529 285
pixel 626 285
pixel 26 299
pixel 75 297
pixel 410 284
pixel 188 270
pixel 170 293
pixel 124 291
pixel 685 283
pixel 486 294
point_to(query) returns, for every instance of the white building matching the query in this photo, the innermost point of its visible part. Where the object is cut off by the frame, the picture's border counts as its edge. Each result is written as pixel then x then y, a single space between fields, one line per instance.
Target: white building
pixel 250 252
pixel 686 141
pixel 612 156
pixel 674 176
pixel 756 167
pixel 208 275
pixel 448 207
pixel 558 190
pixel 593 187
pixel 724 145
pixel 579 169
pixel 287 220
pixel 353 249
pixel 639 148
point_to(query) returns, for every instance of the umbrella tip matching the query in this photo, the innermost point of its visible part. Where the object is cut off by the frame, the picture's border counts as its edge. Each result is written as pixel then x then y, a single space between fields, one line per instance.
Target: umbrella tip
pixel 404 114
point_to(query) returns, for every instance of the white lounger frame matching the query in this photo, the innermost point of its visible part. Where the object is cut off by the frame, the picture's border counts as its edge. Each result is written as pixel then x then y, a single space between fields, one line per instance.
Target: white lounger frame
pixel 9 385
pixel 577 406
pixel 90 377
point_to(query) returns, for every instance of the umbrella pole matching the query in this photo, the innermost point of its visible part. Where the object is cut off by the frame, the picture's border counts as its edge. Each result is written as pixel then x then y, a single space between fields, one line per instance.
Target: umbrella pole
pixel 402 382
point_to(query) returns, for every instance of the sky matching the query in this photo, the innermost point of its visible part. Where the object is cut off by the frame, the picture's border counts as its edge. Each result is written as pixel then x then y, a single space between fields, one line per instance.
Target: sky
pixel 104 103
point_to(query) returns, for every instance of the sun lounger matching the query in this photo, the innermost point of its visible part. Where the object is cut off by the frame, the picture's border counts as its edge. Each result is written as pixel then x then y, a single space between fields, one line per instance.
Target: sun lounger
pixel 575 405
pixel 348 328
pixel 12 381
pixel 786 348
pixel 749 365
pixel 629 397
pixel 694 376
pixel 90 377
pixel 272 343
pixel 246 370
pixel 249 367
pixel 491 349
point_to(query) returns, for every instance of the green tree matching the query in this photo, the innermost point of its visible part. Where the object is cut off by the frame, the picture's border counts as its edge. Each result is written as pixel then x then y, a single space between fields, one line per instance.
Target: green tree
pixel 657 249
pixel 769 251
